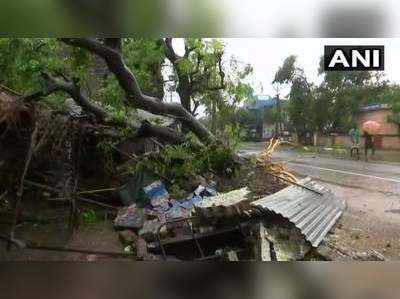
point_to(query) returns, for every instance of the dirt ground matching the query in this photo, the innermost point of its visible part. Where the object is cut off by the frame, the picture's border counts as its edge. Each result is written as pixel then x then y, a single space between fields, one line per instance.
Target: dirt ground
pixel 45 224
pixel 99 237
pixel 369 224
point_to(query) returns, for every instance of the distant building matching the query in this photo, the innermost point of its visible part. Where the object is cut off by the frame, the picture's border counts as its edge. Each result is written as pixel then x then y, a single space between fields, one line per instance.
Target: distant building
pixel 262 102
pixel 389 135
pixel 264 107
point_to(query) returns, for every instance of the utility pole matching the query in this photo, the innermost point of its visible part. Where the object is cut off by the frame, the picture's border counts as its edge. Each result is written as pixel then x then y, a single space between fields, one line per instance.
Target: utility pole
pixel 278 129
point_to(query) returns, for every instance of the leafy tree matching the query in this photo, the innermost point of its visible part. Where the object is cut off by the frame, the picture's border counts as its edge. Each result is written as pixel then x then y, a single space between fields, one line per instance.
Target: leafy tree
pixel 341 94
pixel 204 76
pixel 286 74
pixel 391 95
pixel 146 59
pixel 301 97
pixel 301 107
pixel 330 106
pixel 287 71
pixel 197 71
pixel 112 77
pixel 22 60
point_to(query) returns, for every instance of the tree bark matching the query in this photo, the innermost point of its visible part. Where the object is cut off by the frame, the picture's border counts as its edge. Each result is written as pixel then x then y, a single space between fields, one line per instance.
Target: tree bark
pixel 145 130
pixel 183 89
pixel 126 79
pixel 190 83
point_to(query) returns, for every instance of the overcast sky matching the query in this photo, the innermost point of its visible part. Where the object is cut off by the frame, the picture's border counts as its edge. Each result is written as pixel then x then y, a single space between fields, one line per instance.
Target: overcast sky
pixel 311 18
pixel 267 54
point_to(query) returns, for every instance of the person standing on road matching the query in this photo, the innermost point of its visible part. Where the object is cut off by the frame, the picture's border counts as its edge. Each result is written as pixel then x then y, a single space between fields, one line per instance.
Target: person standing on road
pixel 355 140
pixel 369 144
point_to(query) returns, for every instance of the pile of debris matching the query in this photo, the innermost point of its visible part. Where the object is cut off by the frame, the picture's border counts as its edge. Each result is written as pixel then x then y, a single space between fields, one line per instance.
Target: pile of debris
pixel 284 226
pixel 268 222
pixel 277 168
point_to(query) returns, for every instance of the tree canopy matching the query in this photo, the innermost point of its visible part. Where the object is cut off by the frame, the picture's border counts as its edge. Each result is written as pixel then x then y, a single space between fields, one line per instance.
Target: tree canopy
pixel 330 106
pixel 121 75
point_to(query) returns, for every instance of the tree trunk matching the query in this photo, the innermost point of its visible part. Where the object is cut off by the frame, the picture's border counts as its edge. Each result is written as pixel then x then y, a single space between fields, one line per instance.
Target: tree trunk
pixel 213 117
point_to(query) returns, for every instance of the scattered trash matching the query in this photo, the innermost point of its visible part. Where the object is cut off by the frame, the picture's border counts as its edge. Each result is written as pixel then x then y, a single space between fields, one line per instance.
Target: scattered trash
pixel 177 211
pixel 128 249
pixel 73 109
pixel 158 195
pixel 127 237
pixel 141 249
pixel 229 226
pixel 150 229
pixel 232 256
pixel 373 255
pixel 133 192
pixel 200 189
pixel 130 217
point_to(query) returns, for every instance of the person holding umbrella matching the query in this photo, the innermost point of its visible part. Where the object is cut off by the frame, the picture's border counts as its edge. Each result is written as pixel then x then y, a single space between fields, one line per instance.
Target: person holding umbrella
pixel 369 144
pixel 370 129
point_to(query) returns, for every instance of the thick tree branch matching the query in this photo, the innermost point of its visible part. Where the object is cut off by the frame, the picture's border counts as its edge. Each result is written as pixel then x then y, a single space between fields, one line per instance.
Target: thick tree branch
pixel 129 84
pixel 74 91
pixel 44 92
pixel 54 84
pixel 163 133
pixel 184 87
pixel 169 51
pixel 196 106
pixel 115 43
pixel 146 130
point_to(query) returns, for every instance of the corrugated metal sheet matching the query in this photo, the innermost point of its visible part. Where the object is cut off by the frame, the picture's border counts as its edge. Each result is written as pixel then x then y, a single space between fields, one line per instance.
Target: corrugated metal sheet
pixel 228 204
pixel 312 213
pixel 225 199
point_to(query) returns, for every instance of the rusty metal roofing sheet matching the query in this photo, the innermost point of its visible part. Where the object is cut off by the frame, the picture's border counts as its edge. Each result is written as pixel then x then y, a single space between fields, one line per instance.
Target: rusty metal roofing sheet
pixel 313 214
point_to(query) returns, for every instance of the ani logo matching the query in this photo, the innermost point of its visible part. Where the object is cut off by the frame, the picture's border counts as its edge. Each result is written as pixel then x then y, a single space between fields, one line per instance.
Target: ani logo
pixel 354 58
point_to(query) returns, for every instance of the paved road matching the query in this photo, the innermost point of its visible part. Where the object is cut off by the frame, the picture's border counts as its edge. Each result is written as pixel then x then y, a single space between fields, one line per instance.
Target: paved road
pixel 371 190
pixel 373 176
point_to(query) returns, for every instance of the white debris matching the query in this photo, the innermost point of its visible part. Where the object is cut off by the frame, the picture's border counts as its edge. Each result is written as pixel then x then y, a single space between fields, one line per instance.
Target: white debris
pixel 224 199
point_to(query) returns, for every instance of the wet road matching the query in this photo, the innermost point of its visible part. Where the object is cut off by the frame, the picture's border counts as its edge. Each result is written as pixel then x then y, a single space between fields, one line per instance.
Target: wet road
pixel 372 176
pixel 371 190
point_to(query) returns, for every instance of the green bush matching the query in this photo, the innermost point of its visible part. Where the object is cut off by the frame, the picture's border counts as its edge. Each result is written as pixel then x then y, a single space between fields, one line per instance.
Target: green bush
pixel 89 217
pixel 178 163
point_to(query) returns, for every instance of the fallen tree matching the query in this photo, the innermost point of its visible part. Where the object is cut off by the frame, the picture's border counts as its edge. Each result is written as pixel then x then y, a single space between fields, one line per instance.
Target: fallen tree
pixel 54 84
pixel 111 51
